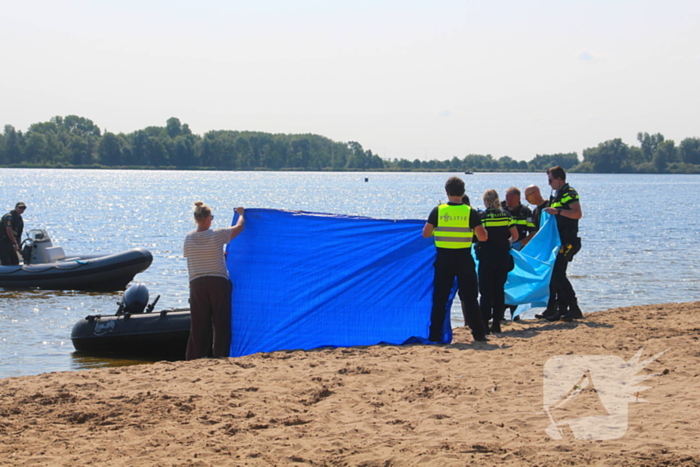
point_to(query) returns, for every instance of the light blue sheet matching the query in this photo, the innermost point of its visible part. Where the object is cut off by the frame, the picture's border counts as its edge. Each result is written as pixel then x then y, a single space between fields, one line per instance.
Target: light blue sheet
pixel 309 280
pixel 528 282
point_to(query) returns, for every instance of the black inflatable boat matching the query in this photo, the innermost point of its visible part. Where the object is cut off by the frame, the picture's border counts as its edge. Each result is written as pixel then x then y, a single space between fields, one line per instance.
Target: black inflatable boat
pixel 135 329
pixel 47 267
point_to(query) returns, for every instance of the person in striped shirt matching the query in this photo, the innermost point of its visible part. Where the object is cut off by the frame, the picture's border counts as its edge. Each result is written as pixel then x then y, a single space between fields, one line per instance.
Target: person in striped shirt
pixel 210 287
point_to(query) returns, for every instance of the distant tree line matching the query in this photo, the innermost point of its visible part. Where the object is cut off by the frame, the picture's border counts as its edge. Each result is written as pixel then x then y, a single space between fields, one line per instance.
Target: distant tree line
pixel 74 141
pixel 655 154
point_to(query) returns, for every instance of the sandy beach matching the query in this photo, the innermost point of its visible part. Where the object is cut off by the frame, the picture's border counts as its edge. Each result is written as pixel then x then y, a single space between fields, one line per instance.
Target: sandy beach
pixel 461 404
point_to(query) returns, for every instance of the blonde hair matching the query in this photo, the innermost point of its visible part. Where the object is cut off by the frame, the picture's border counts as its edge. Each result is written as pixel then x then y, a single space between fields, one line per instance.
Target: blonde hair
pixel 491 199
pixel 201 211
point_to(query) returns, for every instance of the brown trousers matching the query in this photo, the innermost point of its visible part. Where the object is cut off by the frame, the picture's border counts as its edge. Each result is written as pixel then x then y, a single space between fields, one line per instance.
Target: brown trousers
pixel 210 310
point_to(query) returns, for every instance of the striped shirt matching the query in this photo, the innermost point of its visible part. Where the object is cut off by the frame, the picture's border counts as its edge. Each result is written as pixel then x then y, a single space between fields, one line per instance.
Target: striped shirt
pixel 204 253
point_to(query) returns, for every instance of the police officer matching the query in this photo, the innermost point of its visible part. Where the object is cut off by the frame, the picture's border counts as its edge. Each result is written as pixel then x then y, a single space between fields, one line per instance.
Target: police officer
pixel 495 260
pixel 522 217
pixel 11 235
pixel 534 197
pixel 453 226
pixel 565 205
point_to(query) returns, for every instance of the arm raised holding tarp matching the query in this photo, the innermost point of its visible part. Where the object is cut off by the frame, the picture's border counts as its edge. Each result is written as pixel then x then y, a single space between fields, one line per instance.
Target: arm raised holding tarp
pixel 210 287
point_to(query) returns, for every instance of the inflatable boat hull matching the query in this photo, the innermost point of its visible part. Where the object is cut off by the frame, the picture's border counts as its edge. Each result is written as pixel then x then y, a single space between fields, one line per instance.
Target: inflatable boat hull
pixel 163 333
pixel 101 274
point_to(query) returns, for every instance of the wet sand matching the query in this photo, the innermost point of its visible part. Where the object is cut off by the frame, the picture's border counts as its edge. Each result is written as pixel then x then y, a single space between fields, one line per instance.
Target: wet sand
pixel 466 403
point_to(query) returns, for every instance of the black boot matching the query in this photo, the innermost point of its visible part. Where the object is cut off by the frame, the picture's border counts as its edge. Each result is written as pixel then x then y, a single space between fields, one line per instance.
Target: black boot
pixel 551 309
pixel 497 319
pixel 548 312
pixel 562 310
pixel 573 313
pixel 480 337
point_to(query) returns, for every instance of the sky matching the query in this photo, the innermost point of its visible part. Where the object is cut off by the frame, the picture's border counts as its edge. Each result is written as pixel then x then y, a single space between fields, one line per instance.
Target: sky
pixel 406 79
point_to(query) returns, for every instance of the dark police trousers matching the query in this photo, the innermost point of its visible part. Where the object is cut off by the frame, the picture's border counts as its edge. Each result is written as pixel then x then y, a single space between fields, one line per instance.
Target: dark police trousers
pixel 8 254
pixel 560 286
pixel 448 265
pixel 493 273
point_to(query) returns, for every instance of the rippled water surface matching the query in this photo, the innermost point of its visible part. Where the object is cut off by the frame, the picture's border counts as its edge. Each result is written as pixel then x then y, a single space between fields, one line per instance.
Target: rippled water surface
pixel 639 235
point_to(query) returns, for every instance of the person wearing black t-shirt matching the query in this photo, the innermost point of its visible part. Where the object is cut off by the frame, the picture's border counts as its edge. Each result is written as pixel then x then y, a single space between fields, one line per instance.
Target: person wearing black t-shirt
pixel 453 226
pixel 11 235
pixel 522 217
pixel 566 208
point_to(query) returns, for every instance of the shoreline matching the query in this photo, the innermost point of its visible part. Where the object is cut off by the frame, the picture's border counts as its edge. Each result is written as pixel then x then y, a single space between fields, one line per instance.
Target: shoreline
pixel 445 405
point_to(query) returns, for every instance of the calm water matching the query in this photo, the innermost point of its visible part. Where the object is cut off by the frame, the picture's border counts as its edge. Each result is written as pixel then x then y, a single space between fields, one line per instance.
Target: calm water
pixel 639 235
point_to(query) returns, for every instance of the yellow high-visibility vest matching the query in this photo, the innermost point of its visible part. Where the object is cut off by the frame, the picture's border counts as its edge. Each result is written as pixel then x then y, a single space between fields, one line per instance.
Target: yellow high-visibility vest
pixel 453 229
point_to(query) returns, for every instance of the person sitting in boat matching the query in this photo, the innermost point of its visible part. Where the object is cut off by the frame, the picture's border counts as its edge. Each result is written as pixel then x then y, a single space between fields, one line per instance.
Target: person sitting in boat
pixel 11 235
pixel 210 287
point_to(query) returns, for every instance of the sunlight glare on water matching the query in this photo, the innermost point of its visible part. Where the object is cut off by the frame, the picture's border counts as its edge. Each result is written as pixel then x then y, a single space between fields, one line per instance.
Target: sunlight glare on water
pixel 638 235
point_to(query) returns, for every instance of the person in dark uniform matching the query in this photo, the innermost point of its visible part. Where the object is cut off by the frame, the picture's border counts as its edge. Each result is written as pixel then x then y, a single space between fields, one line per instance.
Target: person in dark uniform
pixel 453 226
pixel 495 260
pixel 565 205
pixel 522 217
pixel 11 235
pixel 534 197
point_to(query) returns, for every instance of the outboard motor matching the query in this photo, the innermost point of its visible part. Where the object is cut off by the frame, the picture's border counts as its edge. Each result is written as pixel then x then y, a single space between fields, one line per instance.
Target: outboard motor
pixel 27 252
pixel 134 300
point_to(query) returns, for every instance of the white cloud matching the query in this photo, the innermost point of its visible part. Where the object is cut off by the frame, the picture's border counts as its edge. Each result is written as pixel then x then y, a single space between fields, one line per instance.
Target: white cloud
pixel 588 55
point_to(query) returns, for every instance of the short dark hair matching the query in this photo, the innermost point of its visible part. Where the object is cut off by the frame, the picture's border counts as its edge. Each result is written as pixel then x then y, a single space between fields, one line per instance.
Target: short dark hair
pixel 513 191
pixel 557 172
pixel 454 186
pixel 465 200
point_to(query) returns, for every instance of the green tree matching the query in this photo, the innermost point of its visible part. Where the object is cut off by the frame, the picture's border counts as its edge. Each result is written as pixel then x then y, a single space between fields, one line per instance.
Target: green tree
pixel 173 127
pixel 109 151
pixel 80 151
pixel 140 148
pixel 56 139
pixel 78 126
pixel 13 152
pixel 689 150
pixel 665 153
pixel 244 153
pixel 475 162
pixel 356 158
pixel 184 151
pixel 607 157
pixel 649 144
pixel 545 161
pixel 508 163
pixel 159 156
pixel 218 149
pixel 35 148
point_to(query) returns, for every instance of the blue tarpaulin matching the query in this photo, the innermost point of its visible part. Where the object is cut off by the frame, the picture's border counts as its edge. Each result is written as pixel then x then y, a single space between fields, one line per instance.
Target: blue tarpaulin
pixel 307 280
pixel 528 282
